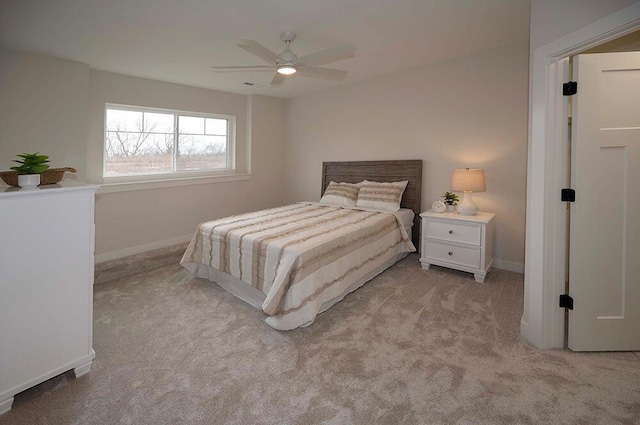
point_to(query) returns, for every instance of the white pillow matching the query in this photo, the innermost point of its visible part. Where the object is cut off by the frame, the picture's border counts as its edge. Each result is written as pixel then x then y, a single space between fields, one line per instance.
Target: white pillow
pixel 381 196
pixel 340 194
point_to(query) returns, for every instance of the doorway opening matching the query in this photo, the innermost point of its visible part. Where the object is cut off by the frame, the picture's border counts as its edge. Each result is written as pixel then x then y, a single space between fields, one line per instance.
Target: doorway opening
pixel 545 266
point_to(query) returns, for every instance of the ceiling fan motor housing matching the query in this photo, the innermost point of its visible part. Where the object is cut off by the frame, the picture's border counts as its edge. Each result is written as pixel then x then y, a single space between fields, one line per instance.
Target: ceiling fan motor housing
pixel 287 56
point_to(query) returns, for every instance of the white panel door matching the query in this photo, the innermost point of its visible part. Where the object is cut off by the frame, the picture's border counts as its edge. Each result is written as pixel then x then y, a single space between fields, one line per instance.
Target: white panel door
pixel 604 273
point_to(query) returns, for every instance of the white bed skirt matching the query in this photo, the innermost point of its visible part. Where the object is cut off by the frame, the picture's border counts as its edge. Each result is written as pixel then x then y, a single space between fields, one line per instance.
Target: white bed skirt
pixel 252 296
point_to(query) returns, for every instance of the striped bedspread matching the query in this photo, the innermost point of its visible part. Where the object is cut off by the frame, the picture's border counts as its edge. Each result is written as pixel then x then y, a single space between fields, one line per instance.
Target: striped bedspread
pixel 299 256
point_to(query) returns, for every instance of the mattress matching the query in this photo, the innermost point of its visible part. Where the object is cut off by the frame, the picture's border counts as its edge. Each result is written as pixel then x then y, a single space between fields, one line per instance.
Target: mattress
pixel 406 216
pixel 295 261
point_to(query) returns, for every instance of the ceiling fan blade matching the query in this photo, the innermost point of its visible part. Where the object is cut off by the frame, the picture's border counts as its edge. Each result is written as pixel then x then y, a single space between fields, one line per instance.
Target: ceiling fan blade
pixel 326 73
pixel 259 50
pixel 241 68
pixel 332 54
pixel 278 79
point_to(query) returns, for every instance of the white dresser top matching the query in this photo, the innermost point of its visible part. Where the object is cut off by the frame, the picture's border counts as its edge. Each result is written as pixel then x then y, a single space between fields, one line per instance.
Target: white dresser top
pixel 12 192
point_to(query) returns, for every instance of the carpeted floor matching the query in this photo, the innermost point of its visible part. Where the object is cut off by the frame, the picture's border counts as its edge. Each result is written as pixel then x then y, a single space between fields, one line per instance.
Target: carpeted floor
pixel 410 347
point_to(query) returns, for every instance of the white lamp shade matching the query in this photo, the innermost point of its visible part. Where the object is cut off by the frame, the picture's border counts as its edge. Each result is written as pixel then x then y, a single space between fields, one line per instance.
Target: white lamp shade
pixel 468 180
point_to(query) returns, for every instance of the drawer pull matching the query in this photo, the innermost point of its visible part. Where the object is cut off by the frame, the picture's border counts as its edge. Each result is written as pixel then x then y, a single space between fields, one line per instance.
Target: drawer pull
pixel 450 252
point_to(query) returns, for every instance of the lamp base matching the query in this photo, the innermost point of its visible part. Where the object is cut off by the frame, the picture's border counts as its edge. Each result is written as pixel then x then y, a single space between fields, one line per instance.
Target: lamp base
pixel 467 207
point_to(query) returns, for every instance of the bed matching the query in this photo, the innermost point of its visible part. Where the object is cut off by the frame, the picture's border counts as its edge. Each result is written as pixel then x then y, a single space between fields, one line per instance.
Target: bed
pixel 296 261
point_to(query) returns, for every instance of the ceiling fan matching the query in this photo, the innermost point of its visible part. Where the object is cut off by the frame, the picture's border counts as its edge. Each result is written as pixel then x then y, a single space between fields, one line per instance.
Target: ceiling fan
pixel 288 63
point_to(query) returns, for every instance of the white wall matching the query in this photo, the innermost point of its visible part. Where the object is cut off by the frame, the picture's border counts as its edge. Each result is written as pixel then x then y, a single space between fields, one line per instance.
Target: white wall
pixel 127 222
pixel 467 112
pixel 43 107
pixel 57 107
pixel 134 221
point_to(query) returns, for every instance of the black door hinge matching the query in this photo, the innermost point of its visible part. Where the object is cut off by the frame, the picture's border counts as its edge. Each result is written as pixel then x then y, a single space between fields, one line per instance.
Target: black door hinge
pixel 568 195
pixel 570 88
pixel 566 301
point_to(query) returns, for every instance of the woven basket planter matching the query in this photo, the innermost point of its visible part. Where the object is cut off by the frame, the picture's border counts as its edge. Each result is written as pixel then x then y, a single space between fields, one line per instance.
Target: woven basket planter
pixel 50 176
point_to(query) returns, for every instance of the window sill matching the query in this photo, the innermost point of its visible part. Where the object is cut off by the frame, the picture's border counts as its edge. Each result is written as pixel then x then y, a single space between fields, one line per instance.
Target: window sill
pixel 159 184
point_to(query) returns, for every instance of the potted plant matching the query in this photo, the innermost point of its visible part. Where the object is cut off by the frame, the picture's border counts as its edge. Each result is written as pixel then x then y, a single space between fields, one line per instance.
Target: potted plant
pixel 450 200
pixel 31 165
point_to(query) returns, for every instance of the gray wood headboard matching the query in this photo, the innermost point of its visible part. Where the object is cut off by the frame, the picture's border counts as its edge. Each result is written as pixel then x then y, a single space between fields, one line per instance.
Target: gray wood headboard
pixel 382 171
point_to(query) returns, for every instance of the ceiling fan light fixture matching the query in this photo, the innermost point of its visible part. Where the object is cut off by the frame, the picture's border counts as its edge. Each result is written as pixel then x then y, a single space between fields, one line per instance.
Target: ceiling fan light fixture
pixel 287 62
pixel 287 69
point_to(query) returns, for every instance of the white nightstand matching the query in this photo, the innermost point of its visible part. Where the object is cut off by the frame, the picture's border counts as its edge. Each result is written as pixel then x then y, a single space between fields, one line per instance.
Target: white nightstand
pixel 458 242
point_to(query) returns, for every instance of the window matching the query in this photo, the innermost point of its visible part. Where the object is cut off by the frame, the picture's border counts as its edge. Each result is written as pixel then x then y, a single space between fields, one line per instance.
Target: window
pixel 165 144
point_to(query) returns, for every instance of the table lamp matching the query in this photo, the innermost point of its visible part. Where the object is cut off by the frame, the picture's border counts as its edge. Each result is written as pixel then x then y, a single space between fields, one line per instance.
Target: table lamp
pixel 467 180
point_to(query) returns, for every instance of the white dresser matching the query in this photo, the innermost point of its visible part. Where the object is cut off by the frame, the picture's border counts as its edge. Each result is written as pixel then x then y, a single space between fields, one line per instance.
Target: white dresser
pixel 46 285
pixel 458 242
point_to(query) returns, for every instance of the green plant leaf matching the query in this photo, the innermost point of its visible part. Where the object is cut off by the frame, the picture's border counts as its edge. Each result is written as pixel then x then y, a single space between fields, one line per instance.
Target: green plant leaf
pixel 37 169
pixel 23 169
pixel 32 163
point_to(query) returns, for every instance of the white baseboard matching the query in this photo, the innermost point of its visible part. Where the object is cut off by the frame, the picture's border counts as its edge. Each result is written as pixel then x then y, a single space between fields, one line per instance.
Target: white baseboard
pixel 126 252
pixel 511 266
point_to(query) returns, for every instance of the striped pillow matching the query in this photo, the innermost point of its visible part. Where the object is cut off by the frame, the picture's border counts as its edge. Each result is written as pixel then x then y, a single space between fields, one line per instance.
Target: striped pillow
pixel 381 196
pixel 340 194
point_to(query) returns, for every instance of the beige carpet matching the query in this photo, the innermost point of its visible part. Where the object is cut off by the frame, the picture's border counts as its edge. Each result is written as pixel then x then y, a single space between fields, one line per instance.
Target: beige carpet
pixel 410 347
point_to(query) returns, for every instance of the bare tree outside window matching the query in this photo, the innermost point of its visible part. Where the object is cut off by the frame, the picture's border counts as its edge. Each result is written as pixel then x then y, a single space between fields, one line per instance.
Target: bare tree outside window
pixel 202 143
pixel 144 142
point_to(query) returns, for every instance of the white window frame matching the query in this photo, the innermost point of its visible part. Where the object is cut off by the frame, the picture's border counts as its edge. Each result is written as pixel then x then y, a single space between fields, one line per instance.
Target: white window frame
pixel 177 176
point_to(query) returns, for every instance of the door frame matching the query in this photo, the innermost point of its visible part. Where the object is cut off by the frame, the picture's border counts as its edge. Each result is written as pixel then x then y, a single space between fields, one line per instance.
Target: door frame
pixel 542 321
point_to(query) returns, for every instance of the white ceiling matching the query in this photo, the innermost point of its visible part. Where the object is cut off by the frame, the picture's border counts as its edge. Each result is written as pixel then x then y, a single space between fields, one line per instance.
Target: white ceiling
pixel 178 40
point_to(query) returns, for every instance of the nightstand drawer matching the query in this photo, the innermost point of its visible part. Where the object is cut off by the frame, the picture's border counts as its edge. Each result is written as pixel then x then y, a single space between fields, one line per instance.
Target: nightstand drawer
pixel 469 234
pixel 469 257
